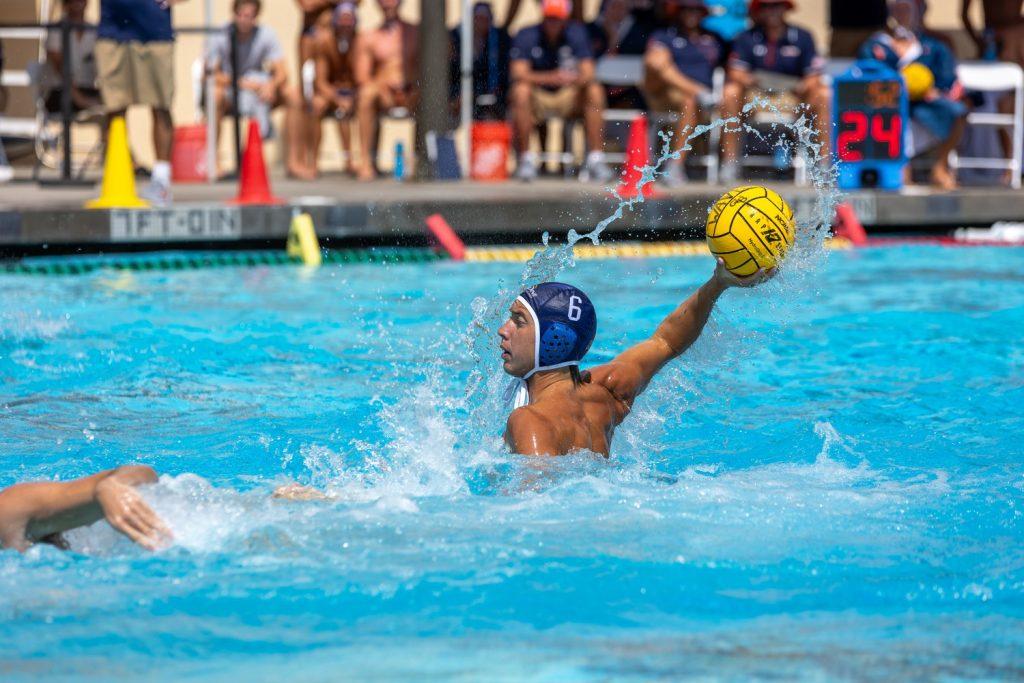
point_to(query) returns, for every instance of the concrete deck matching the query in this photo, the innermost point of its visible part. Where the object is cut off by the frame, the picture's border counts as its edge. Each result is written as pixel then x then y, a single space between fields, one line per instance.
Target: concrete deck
pixel 389 212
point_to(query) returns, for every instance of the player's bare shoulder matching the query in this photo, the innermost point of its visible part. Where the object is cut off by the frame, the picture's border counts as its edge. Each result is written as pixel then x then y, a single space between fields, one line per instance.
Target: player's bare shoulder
pixel 530 431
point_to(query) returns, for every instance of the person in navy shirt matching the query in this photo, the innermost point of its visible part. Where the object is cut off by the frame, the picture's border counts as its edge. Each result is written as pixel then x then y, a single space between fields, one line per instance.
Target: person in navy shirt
pixel 773 47
pixel 938 119
pixel 678 69
pixel 135 65
pixel 552 72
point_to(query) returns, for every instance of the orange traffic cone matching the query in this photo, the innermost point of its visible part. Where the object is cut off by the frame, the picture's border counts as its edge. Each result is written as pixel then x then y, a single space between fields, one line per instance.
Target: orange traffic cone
pixel 118 191
pixel 847 226
pixel 638 155
pixel 253 184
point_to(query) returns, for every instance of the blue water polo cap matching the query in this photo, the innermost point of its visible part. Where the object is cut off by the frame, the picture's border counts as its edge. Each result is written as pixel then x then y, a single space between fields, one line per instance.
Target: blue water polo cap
pixel 565 321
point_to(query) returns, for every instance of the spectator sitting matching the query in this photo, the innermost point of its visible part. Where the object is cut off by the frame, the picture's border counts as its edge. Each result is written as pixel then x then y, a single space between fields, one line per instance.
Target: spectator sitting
pixel 316 17
pixel 262 80
pixel 679 66
pixel 135 64
pixel 773 51
pixel 335 86
pixel 491 46
pixel 387 75
pixel 84 93
pixel 938 118
pixel 553 76
pixel 616 31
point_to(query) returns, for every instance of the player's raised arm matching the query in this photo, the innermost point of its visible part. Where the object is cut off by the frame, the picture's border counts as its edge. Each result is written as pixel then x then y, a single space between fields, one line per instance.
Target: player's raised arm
pixel 631 371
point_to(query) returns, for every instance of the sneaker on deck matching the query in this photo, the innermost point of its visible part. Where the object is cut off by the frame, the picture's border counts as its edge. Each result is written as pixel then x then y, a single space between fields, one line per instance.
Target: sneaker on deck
pixel 156 193
pixel 527 168
pixel 596 170
pixel 674 175
pixel 730 173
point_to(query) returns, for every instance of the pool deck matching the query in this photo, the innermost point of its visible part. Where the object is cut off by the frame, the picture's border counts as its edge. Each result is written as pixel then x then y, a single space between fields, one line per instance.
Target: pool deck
pixel 345 212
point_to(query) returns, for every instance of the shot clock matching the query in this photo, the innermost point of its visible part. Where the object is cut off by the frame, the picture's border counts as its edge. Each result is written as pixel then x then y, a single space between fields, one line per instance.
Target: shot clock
pixel 870 115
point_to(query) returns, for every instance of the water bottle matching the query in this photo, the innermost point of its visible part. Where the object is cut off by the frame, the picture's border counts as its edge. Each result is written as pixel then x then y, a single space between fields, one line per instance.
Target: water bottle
pixel 780 157
pixel 399 160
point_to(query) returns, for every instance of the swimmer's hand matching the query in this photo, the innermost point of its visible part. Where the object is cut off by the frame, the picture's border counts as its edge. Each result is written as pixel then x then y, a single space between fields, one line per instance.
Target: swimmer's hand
pixel 125 510
pixel 725 279
pixel 299 492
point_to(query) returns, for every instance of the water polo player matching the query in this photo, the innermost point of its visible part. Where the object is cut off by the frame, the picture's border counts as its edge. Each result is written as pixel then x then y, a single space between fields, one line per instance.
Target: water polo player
pixel 557 408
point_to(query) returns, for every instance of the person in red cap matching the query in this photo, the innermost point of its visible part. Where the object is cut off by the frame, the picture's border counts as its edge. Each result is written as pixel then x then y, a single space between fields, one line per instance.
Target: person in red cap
pixel 678 69
pixel 777 51
pixel 515 5
pixel 552 72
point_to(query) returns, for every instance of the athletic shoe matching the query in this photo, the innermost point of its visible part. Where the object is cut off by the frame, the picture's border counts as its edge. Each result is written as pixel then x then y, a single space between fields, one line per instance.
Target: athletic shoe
pixel 596 170
pixel 674 175
pixel 730 173
pixel 156 193
pixel 527 168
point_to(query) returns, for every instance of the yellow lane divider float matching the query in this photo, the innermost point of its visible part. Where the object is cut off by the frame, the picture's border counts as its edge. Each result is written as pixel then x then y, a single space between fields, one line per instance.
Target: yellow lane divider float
pixel 302 241
pixel 618 250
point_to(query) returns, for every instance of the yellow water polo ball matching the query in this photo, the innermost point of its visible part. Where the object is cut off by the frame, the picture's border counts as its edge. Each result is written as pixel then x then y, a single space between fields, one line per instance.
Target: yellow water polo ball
pixel 919 80
pixel 750 228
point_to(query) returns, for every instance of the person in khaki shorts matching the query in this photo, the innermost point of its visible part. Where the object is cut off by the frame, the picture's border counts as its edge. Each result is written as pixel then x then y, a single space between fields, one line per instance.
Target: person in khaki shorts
pixel 552 73
pixel 135 64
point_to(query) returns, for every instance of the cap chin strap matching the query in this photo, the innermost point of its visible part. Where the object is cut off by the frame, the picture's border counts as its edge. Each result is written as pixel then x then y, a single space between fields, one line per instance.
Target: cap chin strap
pixel 517 394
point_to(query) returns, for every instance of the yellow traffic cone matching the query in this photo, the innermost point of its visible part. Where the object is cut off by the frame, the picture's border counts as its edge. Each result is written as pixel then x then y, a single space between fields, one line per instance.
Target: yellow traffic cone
pixel 302 240
pixel 118 190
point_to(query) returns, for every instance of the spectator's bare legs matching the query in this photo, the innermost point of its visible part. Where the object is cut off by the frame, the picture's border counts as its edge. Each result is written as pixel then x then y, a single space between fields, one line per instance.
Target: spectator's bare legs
pixel 521 104
pixel 345 134
pixel 163 134
pixel 818 97
pixel 308 124
pixel 942 176
pixel 686 119
pixel 593 100
pixel 298 165
pixel 368 106
pixel 318 110
pixel 732 106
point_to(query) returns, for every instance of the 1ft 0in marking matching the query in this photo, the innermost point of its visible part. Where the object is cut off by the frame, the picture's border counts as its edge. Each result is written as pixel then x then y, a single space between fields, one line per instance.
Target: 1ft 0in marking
pixel 177 224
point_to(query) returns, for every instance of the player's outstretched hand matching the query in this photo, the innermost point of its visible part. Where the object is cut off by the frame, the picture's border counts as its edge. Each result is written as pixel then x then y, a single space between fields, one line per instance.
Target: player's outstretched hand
pixel 727 279
pixel 128 513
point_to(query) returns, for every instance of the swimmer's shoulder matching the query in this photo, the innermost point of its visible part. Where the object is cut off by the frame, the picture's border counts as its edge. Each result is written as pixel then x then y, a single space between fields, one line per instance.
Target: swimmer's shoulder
pixel 530 431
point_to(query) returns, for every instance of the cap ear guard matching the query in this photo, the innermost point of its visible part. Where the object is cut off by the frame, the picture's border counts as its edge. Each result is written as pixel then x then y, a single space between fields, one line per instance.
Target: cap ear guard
pixel 556 343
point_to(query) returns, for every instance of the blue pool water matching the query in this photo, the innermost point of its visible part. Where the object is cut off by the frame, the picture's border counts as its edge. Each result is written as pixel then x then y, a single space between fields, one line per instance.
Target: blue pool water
pixel 829 485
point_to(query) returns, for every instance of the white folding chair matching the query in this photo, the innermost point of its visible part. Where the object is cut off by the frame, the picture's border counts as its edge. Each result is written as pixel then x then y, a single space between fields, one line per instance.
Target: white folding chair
pixel 995 77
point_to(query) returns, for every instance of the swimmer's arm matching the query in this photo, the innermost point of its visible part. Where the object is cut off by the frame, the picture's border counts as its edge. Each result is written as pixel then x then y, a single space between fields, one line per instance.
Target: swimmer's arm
pixel 35 510
pixel 527 433
pixel 629 374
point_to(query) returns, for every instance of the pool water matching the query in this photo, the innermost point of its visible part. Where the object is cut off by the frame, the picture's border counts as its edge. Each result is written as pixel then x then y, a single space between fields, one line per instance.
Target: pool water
pixel 828 485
